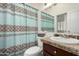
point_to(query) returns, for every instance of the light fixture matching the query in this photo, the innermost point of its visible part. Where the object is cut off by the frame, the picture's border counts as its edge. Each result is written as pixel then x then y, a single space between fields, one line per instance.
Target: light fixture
pixel 47 5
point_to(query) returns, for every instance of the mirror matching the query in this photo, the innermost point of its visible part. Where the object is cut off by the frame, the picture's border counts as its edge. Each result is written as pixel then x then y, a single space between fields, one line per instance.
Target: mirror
pixel 68 23
pixel 61 22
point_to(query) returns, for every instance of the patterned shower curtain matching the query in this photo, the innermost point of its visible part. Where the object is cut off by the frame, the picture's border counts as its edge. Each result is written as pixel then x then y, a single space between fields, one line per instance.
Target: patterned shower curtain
pixel 18 28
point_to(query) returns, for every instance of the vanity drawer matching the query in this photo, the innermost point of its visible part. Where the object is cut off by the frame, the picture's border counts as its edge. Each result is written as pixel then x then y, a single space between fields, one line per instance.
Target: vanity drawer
pixel 49 49
pixel 54 51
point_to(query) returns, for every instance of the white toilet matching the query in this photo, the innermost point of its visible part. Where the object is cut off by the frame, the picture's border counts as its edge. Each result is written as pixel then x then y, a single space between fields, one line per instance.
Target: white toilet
pixel 35 50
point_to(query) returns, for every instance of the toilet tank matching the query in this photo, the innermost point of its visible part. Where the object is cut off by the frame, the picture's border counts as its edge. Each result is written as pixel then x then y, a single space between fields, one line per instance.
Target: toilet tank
pixel 40 36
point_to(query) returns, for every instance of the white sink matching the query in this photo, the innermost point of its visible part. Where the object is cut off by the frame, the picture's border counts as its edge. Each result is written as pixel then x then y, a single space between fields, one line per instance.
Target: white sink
pixel 65 40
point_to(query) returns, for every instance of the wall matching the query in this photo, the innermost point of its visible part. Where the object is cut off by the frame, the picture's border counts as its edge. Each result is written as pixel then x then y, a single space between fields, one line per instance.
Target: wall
pixel 73 22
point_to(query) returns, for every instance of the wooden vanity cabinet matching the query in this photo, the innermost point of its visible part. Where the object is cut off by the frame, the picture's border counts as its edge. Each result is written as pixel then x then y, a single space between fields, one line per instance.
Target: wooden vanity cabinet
pixel 49 50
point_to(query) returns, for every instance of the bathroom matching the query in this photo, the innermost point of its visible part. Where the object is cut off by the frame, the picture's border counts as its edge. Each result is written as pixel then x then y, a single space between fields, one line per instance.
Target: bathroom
pixel 29 30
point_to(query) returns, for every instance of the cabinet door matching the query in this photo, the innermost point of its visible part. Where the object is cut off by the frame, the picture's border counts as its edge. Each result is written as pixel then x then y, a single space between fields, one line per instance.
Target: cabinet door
pixel 48 49
pixel 54 51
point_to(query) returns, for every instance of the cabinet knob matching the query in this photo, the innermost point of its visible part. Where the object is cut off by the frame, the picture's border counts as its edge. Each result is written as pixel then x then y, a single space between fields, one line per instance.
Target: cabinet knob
pixel 55 51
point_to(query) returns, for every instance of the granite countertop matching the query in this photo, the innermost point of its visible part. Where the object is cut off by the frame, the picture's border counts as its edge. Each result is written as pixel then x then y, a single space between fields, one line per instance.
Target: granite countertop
pixel 67 47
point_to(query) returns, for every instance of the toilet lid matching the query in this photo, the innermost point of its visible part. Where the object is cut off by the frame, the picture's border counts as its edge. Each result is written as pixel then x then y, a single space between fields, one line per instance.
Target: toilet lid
pixel 33 50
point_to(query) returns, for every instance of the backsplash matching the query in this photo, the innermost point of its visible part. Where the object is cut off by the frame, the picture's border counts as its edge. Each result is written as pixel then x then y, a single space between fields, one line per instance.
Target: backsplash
pixel 67 35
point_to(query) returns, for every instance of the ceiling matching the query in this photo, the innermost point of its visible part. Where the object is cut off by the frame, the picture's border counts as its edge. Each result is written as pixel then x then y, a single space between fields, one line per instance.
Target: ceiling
pixel 37 5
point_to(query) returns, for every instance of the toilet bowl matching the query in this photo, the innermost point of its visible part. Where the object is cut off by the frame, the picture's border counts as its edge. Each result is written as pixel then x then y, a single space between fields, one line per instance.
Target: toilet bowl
pixel 34 50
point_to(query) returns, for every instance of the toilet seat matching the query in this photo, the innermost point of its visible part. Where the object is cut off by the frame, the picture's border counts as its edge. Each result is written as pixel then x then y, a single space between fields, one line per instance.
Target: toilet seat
pixel 33 51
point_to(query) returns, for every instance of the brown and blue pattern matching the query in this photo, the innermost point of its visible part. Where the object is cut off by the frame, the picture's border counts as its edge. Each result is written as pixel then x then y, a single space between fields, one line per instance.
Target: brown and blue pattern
pixel 18 28
pixel 18 9
pixel 15 36
pixel 11 28
pixel 13 50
